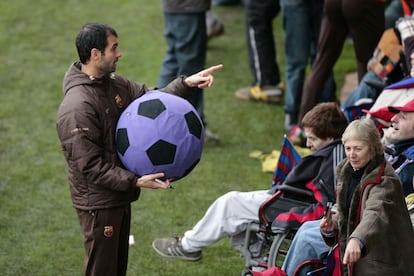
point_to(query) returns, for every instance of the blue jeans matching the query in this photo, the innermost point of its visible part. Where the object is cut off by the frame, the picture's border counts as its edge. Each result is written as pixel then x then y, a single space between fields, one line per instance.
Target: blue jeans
pixel 364 90
pixel 301 23
pixel 225 2
pixel 393 11
pixel 186 37
pixel 307 244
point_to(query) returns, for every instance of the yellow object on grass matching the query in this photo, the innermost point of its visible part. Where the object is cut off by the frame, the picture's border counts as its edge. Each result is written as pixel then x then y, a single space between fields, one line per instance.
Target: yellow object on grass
pixel 269 158
pixel 409 199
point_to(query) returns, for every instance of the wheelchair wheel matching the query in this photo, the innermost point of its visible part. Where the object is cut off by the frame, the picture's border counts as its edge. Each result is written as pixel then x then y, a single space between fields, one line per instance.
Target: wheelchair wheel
pixel 246 272
pixel 279 248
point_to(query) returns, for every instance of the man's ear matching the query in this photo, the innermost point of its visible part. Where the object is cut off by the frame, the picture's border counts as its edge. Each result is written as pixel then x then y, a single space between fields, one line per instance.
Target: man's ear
pixel 95 54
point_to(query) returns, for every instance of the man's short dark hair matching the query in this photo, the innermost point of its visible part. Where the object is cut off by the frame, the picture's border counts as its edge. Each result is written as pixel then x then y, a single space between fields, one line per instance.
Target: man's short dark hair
pixel 326 120
pixel 92 35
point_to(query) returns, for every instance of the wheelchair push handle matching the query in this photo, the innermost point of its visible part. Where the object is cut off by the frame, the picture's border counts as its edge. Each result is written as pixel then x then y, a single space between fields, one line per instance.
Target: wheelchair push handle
pixel 328 210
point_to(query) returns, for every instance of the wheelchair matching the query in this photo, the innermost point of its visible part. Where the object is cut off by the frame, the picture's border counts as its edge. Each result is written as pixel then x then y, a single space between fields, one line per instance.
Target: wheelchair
pixel 276 242
pixel 265 246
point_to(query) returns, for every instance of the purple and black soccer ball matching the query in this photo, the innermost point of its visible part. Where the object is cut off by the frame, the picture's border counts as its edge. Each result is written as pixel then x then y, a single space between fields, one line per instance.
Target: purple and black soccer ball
pixel 160 132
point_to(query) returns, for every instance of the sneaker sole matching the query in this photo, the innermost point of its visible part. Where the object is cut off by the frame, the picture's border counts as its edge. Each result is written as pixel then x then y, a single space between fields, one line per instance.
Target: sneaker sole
pixel 184 258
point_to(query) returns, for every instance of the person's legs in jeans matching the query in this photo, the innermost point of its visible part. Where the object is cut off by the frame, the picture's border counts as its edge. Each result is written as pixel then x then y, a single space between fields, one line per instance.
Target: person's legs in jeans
pixel 307 244
pixel 364 90
pixel 301 22
pixel 297 51
pixel 393 11
pixel 187 47
pixel 186 37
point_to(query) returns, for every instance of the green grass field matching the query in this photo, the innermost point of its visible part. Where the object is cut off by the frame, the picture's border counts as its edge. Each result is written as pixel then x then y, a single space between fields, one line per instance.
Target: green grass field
pixel 39 230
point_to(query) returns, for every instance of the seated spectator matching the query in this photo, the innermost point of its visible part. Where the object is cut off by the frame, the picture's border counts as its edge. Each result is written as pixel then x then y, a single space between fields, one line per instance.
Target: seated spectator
pixel 230 214
pixel 399 139
pixel 390 63
pixel 371 224
pixel 387 65
pixel 399 150
pixel 396 9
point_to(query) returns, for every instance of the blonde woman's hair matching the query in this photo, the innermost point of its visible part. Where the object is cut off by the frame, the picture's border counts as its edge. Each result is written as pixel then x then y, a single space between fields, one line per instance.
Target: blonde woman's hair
pixel 364 130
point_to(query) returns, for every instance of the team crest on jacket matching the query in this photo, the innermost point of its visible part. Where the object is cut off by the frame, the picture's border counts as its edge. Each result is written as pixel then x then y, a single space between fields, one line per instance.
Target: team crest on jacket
pixel 108 231
pixel 118 101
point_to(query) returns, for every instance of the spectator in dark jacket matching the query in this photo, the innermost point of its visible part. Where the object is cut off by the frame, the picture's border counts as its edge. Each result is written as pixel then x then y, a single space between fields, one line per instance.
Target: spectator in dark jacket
pixel 229 215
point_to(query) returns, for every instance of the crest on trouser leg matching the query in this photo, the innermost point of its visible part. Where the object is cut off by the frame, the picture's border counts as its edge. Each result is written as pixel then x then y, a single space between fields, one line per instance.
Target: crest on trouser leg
pixel 108 231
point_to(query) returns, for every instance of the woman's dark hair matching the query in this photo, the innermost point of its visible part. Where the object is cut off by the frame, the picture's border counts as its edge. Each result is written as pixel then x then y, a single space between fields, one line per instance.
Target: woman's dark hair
pixel 92 35
pixel 326 120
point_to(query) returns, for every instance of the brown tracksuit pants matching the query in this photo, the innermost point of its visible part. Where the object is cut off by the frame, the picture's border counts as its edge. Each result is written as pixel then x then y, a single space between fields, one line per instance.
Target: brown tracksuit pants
pixel 105 236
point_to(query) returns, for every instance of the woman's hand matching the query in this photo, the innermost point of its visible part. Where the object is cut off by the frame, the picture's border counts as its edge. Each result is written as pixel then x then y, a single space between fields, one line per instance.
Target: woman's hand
pixel 352 252
pixel 327 225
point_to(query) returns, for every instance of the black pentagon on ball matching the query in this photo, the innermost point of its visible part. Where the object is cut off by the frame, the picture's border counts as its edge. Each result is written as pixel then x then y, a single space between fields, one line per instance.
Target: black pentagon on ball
pixel 161 153
pixel 194 124
pixel 151 108
pixel 122 141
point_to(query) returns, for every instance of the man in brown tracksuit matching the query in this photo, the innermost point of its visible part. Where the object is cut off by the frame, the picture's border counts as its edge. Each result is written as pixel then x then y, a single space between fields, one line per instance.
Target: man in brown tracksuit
pixel 101 188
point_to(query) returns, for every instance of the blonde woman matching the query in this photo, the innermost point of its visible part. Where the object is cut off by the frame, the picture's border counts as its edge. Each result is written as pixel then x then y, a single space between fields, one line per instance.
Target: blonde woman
pixel 371 223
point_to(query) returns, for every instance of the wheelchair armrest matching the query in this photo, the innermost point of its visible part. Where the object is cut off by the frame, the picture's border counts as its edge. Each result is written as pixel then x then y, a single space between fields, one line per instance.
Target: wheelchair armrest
pixel 297 191
pixel 285 198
